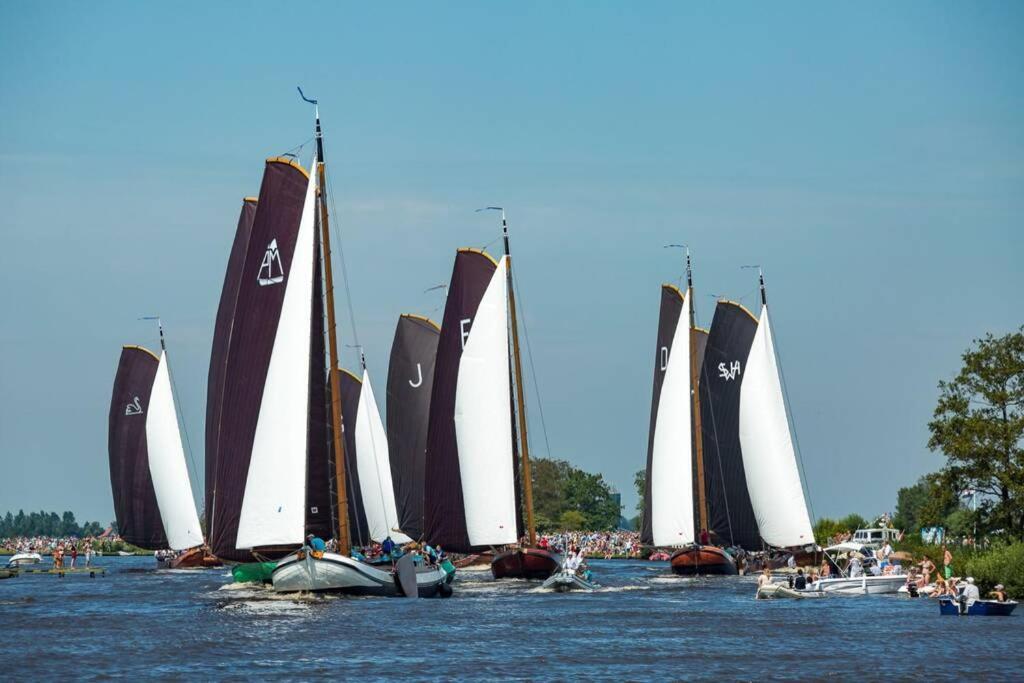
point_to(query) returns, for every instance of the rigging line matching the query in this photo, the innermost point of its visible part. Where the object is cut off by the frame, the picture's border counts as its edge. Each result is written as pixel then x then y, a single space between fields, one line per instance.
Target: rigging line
pixel 796 438
pixel 336 225
pixel 184 427
pixel 376 460
pixel 529 356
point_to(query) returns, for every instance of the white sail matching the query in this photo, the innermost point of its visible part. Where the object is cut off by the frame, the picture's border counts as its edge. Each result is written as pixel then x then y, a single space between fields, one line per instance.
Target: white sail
pixel 483 420
pixel 274 503
pixel 672 454
pixel 167 466
pixel 773 479
pixel 374 467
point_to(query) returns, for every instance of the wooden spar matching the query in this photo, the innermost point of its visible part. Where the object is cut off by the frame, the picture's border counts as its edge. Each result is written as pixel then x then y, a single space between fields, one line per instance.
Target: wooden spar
pixel 702 503
pixel 520 399
pixel 343 537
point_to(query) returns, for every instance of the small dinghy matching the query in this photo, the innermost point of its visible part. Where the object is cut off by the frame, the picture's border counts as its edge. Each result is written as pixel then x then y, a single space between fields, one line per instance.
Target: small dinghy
pixel 125 553
pixel 565 581
pixel 978 608
pixel 8 573
pixel 22 559
pixel 776 591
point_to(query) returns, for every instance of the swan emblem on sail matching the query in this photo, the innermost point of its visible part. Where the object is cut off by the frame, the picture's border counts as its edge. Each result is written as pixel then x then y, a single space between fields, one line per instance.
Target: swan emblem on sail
pixel 271 269
pixel 133 408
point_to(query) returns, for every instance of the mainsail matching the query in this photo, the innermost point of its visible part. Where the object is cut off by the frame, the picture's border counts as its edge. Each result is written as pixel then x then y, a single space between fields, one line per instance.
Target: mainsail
pixel 769 460
pixel 469 496
pixel 731 516
pixel 668 518
pixel 152 493
pixel 222 330
pixel 247 385
pixel 410 382
pixel 274 501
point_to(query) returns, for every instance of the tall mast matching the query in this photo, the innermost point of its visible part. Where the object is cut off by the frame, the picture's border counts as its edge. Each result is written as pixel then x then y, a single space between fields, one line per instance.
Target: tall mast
pixel 344 540
pixel 520 398
pixel 702 503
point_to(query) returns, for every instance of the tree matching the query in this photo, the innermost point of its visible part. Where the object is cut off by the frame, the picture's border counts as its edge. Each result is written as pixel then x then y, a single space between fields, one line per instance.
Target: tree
pixel 559 487
pixel 852 522
pixel 926 503
pixel 590 495
pixel 572 520
pixel 979 426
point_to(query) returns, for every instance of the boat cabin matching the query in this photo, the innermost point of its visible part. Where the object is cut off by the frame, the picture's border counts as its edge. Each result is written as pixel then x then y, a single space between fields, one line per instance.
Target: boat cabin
pixel 874 537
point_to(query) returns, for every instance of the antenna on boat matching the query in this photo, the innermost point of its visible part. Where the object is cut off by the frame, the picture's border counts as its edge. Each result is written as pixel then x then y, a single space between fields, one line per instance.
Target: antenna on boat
pixel 316 113
pixel 760 275
pixel 689 267
pixel 160 326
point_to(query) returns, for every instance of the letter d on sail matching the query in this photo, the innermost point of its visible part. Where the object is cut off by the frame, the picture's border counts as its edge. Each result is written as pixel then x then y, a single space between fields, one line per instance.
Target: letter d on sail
pixel 271 270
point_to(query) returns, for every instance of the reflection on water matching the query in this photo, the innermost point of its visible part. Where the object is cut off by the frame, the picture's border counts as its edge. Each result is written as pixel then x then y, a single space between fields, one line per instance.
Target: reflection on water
pixel 640 623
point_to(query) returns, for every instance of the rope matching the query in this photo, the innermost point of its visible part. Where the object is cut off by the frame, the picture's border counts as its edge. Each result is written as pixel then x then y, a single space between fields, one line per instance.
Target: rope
pixel 529 357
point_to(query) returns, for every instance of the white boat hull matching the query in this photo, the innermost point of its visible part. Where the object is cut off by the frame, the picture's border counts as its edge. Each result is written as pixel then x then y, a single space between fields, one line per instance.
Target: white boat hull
pixel 332 572
pixel 565 581
pixel 862 585
pixel 776 591
pixel 21 559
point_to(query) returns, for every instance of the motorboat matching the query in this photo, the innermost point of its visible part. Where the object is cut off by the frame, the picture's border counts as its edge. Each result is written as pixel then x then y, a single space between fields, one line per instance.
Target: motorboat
pixel 325 571
pixel 22 559
pixel 855 564
pixel 976 608
pixel 567 580
pixel 775 591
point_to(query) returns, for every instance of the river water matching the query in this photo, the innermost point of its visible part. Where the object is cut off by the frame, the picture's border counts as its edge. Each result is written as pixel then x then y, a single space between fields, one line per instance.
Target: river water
pixel 643 623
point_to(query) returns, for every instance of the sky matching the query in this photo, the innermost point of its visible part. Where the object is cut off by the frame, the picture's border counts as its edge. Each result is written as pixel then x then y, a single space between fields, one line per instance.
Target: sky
pixel 870 156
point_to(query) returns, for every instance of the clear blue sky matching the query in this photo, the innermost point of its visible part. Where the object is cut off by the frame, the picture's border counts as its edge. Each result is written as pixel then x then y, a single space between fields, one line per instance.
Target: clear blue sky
pixel 869 155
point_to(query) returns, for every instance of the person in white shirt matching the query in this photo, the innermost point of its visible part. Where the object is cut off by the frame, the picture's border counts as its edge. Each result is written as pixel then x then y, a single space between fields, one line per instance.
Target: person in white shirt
pixel 856 568
pixel 970 592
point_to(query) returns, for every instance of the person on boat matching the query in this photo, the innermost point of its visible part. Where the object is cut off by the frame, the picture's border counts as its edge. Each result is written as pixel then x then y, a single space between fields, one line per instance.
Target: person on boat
pixel 705 537
pixel 970 591
pixel 826 569
pixel 765 579
pixel 387 547
pixel 947 563
pixel 999 593
pixel 74 555
pixel 800 583
pixel 791 562
pixel 856 566
pixel 315 543
pixel 88 555
pixel 927 567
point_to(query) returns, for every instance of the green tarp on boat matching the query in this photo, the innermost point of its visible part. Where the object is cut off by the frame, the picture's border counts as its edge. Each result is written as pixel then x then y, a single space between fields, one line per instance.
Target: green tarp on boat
pixel 253 572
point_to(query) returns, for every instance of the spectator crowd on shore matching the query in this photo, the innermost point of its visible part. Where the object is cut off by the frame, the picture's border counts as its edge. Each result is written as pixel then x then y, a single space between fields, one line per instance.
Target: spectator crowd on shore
pixel 595 544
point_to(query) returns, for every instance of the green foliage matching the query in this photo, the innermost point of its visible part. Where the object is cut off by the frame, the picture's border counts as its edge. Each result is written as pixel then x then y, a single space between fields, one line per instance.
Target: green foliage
pixel 925 504
pixel 979 426
pixel 46 524
pixel 559 487
pixel 853 521
pixel 573 520
pixel 825 529
pixel 1002 564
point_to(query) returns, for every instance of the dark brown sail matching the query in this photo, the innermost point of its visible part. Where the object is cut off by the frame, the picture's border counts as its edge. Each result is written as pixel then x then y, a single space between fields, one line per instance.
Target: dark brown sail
pixel 443 507
pixel 668 320
pixel 410 382
pixel 135 506
pixel 261 288
pixel 351 387
pixel 221 341
pixel 319 458
pixel 730 514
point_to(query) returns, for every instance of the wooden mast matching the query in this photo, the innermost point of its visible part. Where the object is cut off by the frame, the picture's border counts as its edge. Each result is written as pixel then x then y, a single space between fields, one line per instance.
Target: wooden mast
pixel 702 503
pixel 520 399
pixel 337 428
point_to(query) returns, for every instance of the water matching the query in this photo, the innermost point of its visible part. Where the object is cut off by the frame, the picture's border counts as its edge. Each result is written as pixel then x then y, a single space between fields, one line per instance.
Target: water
pixel 642 623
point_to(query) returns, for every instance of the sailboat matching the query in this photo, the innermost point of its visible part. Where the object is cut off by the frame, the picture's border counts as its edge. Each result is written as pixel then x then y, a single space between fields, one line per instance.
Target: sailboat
pixel 675 501
pixel 410 382
pixel 474 491
pixel 769 459
pixel 280 463
pixel 148 476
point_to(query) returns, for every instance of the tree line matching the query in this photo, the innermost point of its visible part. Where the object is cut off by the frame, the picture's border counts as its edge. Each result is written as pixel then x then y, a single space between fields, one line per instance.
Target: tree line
pixel 566 497
pixel 46 524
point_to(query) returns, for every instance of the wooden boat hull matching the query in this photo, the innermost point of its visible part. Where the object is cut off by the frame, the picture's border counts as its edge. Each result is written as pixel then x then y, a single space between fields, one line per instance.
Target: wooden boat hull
pixel 195 558
pixel 331 572
pixel 705 560
pixel 978 608
pixel 474 562
pixel 535 564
